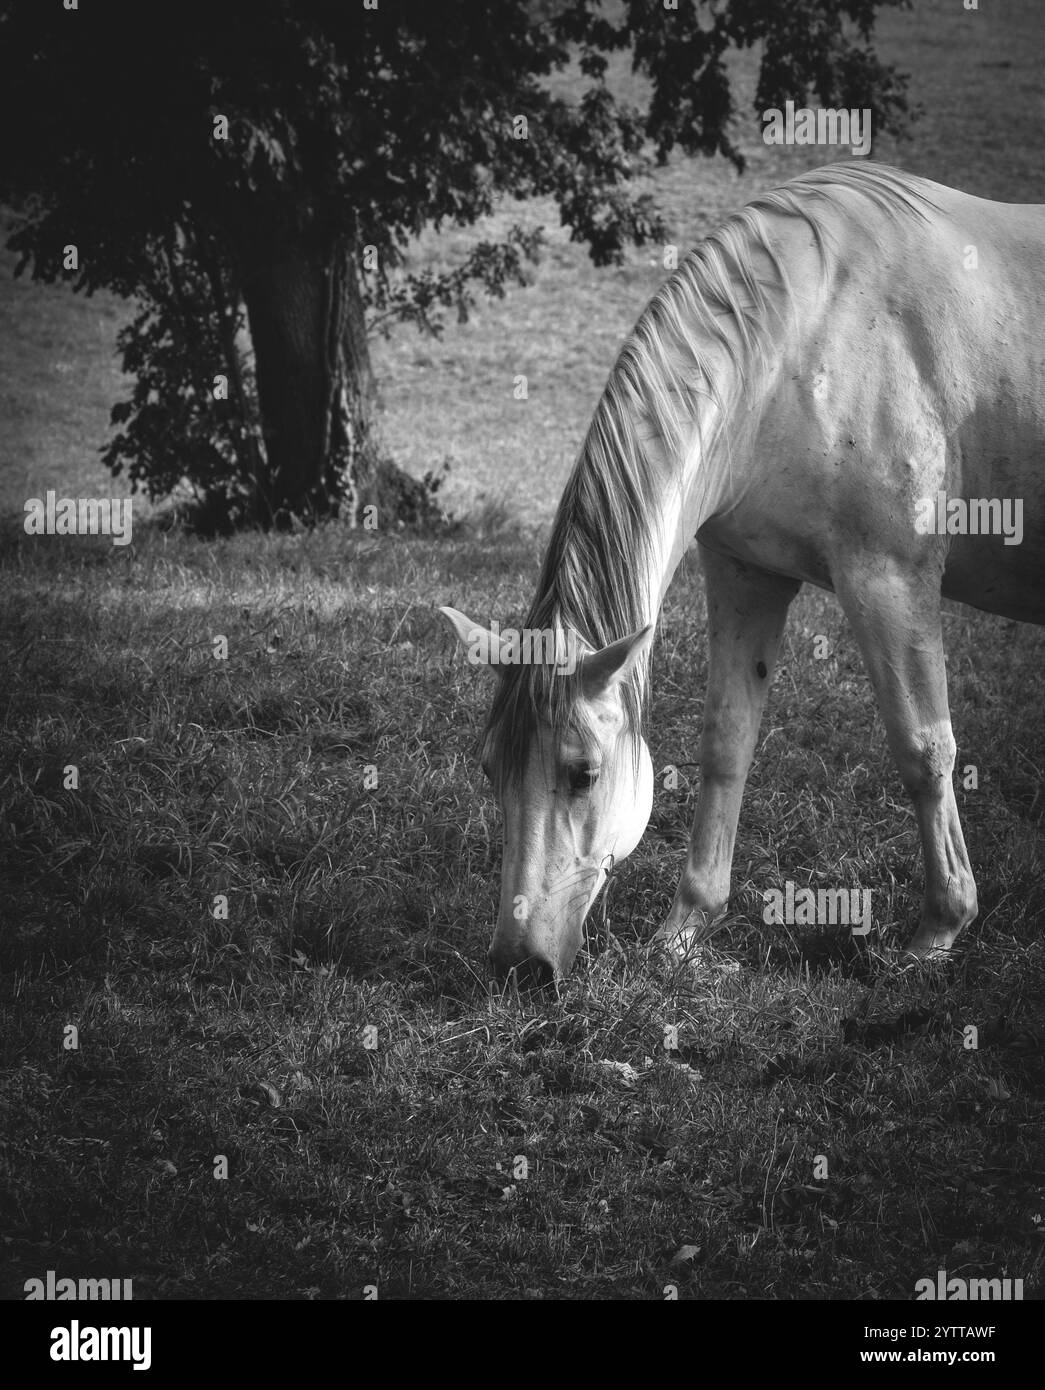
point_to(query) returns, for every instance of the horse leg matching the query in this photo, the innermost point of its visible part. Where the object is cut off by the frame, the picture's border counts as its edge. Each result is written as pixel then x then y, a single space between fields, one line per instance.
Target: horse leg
pixel 895 615
pixel 747 610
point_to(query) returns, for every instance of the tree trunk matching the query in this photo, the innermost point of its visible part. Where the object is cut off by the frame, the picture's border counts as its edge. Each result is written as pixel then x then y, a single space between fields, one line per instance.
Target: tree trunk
pixel 314 379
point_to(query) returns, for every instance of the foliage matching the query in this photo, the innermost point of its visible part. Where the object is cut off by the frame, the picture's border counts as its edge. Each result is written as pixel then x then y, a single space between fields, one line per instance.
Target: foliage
pixel 174 427
pixel 371 124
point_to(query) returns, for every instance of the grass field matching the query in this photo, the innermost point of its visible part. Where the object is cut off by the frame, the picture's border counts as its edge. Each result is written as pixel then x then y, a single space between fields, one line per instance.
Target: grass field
pixel 355 907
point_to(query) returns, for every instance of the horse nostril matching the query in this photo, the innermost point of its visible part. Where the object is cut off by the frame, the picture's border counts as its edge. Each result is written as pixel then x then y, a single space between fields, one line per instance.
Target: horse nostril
pixel 530 972
pixel 535 973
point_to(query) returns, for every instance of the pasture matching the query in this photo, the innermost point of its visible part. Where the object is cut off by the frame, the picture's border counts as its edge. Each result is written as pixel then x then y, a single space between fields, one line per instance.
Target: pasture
pixel 822 1128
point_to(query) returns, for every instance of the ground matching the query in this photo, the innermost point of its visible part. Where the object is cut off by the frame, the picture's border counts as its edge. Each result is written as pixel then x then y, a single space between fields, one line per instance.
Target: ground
pixel 825 1127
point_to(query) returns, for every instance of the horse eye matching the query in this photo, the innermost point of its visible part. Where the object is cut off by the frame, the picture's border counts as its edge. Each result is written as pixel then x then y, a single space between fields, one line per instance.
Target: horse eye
pixel 582 778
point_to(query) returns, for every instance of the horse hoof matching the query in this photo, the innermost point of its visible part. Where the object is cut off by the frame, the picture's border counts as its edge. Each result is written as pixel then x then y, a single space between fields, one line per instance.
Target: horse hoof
pixel 680 941
pixel 922 950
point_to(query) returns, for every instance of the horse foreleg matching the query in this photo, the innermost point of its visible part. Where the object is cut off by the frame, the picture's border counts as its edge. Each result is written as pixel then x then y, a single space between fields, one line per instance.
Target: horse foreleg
pixel 896 618
pixel 747 610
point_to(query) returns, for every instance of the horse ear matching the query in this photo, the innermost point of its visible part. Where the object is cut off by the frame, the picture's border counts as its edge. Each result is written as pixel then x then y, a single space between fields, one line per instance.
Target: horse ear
pixel 478 641
pixel 601 671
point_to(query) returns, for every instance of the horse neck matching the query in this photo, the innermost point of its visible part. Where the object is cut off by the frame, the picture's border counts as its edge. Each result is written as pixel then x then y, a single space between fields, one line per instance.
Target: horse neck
pixel 692 486
pixel 683 493
pixel 657 450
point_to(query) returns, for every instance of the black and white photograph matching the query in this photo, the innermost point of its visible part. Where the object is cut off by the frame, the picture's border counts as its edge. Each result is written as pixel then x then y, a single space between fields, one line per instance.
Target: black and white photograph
pixel 522 757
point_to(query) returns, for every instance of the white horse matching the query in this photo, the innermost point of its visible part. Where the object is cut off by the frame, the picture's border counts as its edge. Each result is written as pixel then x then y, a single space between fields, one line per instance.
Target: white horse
pixel 843 385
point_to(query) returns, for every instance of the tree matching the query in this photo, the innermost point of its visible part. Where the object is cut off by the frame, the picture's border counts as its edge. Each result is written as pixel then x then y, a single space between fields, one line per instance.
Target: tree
pixel 264 165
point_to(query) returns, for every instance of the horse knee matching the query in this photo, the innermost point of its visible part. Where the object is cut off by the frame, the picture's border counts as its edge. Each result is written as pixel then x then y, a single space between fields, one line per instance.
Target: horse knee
pixel 926 760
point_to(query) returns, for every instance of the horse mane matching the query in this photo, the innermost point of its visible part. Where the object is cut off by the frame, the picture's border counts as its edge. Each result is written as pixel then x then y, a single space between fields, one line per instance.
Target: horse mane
pixel 597 570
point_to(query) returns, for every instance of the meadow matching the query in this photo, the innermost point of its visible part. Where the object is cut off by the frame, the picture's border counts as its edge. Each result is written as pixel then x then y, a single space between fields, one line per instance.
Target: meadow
pixel 316 1093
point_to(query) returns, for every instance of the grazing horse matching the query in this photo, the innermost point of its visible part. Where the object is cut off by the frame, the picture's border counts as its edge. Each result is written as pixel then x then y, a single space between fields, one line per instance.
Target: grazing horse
pixel 843 385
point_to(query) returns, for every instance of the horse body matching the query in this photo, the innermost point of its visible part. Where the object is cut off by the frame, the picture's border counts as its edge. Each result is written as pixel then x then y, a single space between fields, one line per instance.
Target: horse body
pixel 825 391
pixel 906 373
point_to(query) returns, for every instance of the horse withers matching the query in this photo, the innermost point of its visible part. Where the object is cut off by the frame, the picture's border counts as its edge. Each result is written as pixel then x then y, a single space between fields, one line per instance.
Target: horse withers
pixel 844 385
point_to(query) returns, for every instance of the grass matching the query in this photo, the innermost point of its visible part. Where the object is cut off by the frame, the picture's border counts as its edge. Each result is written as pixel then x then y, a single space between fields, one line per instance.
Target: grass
pixel 356 907
pixel 352 907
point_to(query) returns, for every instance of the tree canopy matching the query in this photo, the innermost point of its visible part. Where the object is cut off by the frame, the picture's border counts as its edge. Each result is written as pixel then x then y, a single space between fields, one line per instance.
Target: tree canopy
pixel 349 127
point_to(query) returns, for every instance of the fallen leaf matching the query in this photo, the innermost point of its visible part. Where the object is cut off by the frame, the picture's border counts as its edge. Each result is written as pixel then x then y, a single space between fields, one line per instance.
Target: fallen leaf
pixel 685 1253
pixel 624 1070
